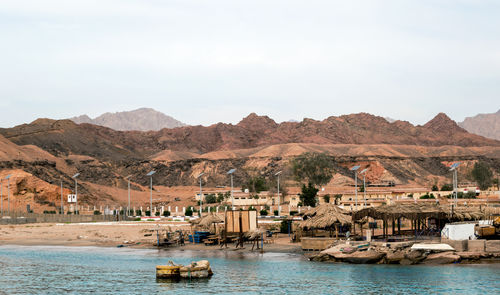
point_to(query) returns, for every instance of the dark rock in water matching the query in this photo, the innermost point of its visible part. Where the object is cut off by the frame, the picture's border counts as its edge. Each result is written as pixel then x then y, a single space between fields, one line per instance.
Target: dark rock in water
pixel 441 258
pixel 322 257
pixel 361 257
pixel 413 257
pixel 469 255
pixel 394 257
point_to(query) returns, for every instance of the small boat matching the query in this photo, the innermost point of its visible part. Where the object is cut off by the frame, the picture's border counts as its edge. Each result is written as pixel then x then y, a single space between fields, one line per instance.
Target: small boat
pixel 195 270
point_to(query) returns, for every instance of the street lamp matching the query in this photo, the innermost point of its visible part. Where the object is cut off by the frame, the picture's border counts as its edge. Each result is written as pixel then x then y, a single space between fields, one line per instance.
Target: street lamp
pixel 128 181
pixel 76 191
pixel 279 203
pixel 454 168
pixel 1 195
pixel 230 172
pixel 364 184
pixel 150 174
pixel 62 205
pixel 355 169
pixel 201 193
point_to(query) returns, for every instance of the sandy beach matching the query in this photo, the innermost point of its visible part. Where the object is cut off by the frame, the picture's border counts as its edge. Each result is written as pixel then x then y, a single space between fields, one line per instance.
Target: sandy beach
pixel 112 234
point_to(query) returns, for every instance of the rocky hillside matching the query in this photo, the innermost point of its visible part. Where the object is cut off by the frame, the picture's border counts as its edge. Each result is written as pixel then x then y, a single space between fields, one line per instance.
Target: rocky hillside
pixel 63 137
pixel 408 155
pixel 143 119
pixel 487 125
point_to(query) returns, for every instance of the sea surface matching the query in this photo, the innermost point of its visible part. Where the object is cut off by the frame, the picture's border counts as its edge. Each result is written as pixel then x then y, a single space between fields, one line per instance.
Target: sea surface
pixel 95 270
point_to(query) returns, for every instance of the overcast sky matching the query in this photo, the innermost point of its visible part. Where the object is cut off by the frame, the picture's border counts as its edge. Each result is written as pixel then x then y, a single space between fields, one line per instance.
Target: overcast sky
pixel 208 61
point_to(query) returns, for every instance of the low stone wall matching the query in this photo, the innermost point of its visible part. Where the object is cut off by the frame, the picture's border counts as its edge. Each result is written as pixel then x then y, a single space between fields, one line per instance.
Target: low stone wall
pixel 492 246
pixel 477 246
pixel 459 246
pixel 315 244
pixel 52 218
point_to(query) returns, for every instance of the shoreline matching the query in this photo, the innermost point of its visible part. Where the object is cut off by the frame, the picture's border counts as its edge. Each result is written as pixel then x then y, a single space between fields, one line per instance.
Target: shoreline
pixel 142 235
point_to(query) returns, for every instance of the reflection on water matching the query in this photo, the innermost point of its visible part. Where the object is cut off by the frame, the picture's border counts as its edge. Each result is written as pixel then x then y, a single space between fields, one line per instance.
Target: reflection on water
pixel 86 270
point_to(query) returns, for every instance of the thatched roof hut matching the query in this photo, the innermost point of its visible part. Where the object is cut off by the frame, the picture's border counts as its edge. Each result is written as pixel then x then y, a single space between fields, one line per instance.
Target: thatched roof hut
pixel 325 216
pixel 415 211
pixel 467 213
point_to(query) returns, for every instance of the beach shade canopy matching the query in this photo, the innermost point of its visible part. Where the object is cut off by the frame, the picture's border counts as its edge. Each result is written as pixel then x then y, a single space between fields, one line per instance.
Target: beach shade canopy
pixel 467 213
pixel 255 233
pixel 325 216
pixel 324 209
pixel 414 211
pixel 207 220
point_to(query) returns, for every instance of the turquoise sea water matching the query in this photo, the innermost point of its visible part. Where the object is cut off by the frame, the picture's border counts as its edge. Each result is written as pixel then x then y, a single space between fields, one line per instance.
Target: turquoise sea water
pixel 93 270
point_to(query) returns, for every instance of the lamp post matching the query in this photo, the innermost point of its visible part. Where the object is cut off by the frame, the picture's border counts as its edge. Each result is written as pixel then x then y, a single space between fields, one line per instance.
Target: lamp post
pixel 201 193
pixel 128 187
pixel 1 195
pixel 279 200
pixel 355 169
pixel 62 205
pixel 230 172
pixel 150 174
pixel 76 191
pixel 454 168
pixel 364 184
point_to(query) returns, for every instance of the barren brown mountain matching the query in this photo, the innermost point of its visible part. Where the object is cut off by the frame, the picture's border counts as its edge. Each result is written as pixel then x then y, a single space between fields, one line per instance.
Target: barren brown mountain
pixel 408 155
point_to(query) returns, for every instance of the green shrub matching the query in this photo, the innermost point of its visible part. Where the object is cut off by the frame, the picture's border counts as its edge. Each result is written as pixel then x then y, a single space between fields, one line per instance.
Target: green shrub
pixel 447 187
pixel 148 213
pixel 427 196
pixel 188 212
pixel 210 199
pixel 166 213
pixel 263 212
pixel 138 212
pixel 97 212
pixel 276 213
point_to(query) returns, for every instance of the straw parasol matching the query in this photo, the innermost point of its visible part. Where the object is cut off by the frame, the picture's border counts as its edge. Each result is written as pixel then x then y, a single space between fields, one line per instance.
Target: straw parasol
pixel 324 209
pixel 255 233
pixel 324 216
pixel 207 220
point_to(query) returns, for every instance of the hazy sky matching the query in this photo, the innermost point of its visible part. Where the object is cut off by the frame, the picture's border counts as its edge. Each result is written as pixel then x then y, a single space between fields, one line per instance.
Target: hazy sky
pixel 208 61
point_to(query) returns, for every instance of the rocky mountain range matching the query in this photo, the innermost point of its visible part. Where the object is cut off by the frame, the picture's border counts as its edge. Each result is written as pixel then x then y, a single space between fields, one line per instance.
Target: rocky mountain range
pixel 143 119
pixel 487 125
pixel 399 151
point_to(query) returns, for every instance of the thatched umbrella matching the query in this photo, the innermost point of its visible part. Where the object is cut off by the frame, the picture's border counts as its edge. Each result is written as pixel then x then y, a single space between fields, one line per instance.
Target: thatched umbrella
pixel 207 220
pixel 328 220
pixel 326 216
pixel 255 233
pixel 324 209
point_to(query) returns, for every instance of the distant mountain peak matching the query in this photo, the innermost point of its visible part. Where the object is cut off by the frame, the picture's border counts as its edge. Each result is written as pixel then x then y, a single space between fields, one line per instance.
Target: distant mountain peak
pixel 142 119
pixel 254 121
pixel 441 122
pixel 487 125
